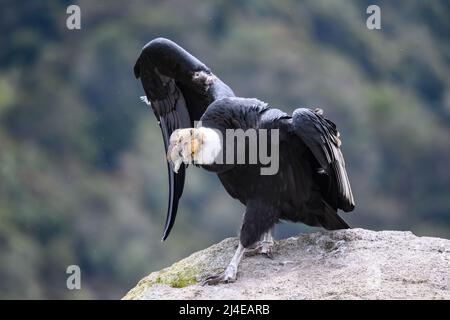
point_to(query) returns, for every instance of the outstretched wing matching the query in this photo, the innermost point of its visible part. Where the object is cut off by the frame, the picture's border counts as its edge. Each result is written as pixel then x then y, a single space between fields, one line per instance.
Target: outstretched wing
pixel 179 88
pixel 322 138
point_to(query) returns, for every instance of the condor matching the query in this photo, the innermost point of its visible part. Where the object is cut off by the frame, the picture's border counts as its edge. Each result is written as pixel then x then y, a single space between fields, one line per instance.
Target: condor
pixel 311 182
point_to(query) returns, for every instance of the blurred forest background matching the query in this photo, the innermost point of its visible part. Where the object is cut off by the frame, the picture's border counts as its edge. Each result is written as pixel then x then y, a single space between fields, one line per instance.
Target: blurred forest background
pixel 82 167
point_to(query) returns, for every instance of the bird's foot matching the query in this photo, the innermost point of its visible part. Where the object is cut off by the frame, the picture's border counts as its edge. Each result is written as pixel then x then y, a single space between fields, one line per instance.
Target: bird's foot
pixel 262 247
pixel 228 276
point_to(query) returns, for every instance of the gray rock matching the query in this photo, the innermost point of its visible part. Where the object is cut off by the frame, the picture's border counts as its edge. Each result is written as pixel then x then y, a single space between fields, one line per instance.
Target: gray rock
pixel 344 264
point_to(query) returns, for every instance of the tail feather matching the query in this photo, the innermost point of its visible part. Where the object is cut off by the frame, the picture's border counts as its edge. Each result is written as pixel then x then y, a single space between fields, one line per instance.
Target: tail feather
pixel 330 220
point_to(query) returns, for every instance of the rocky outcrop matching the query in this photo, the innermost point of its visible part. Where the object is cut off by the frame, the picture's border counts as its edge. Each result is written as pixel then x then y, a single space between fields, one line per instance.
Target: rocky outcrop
pixel 343 264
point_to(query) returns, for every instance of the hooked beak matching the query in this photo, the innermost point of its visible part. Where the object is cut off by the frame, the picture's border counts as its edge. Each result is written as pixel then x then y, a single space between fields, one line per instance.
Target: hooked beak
pixel 175 157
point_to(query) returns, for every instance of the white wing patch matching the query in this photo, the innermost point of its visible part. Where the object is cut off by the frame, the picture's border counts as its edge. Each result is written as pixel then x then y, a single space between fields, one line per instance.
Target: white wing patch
pixel 145 100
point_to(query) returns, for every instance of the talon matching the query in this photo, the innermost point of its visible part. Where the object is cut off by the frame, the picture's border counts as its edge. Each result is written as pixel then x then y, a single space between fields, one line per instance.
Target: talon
pixel 264 247
pixel 217 279
pixel 252 251
pixel 230 273
pixel 268 254
pixel 212 281
pixel 267 249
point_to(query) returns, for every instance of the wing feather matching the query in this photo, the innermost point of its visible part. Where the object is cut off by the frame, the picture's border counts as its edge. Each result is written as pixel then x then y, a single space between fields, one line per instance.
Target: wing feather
pixel 322 138
pixel 179 88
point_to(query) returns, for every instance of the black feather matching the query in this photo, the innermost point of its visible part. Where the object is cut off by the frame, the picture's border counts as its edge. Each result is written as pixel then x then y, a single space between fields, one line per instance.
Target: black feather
pixel 179 88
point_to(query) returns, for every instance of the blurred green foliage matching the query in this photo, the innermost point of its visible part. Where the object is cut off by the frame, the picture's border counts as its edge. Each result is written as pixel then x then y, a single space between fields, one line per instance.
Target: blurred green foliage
pixel 82 171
